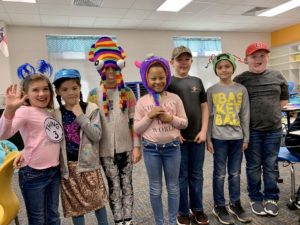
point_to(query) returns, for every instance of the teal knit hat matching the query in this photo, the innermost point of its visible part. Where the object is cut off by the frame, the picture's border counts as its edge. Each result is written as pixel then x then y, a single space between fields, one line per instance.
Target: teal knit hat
pixel 224 56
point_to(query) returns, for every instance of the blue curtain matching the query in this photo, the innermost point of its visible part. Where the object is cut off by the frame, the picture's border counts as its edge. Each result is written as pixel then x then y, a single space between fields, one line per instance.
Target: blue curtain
pixel 201 46
pixel 59 44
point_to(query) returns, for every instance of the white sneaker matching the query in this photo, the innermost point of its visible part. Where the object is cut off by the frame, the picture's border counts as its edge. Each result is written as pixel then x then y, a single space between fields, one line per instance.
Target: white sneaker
pixel 271 207
pixel 130 222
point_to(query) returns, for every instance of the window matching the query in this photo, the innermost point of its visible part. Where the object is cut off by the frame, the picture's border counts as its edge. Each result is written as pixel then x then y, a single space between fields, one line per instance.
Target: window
pixel 71 52
pixel 202 48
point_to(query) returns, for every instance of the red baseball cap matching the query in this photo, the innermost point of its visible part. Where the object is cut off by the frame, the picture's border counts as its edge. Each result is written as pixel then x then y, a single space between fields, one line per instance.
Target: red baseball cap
pixel 253 47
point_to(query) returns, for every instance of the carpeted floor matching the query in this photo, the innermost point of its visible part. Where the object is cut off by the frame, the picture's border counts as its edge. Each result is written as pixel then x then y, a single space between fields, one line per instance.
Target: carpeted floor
pixel 143 212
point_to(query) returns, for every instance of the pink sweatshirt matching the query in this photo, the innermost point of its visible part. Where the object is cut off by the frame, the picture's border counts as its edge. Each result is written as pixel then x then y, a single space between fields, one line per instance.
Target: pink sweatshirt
pixel 155 130
pixel 39 151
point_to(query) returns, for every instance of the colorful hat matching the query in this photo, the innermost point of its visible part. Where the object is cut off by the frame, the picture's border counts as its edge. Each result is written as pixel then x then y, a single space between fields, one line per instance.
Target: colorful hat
pixel 105 53
pixel 144 67
pixel 66 73
pixel 223 56
pixel 253 47
pixel 180 50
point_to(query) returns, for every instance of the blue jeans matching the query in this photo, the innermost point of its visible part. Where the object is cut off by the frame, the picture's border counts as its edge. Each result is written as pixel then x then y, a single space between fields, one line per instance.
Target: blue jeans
pixel 100 215
pixel 227 153
pixel 158 157
pixel 261 157
pixel 40 190
pixel 191 177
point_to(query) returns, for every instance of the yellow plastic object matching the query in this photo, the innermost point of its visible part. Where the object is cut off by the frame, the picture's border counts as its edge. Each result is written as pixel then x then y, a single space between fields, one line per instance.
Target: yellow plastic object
pixel 9 202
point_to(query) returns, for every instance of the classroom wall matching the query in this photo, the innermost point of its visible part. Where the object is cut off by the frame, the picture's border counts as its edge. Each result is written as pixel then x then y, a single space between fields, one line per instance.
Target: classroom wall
pixel 285 35
pixel 28 44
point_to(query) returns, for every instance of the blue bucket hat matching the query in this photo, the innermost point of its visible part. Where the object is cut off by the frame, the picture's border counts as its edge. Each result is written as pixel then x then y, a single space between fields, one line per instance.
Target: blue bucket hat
pixel 66 73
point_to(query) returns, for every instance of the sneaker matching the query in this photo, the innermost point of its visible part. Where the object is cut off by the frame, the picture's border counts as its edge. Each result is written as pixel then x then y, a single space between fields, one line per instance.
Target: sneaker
pixel 271 207
pixel 129 222
pixel 222 214
pixel 258 208
pixel 183 220
pixel 199 217
pixel 237 210
pixel 297 203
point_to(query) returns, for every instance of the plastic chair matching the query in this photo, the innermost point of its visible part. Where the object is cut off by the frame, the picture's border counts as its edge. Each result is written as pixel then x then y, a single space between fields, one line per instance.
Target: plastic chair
pixel 9 202
pixel 286 156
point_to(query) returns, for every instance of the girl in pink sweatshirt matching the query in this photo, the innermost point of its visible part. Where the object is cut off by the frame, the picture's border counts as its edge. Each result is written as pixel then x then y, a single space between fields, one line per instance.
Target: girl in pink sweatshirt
pixel 29 110
pixel 158 118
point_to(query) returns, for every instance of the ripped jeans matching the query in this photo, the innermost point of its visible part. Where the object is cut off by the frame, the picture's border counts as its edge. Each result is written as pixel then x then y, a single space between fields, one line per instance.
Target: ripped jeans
pixel 227 153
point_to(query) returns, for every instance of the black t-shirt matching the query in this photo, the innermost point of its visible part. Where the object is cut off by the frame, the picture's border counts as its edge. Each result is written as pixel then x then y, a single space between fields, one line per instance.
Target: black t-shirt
pixel 192 93
pixel 265 91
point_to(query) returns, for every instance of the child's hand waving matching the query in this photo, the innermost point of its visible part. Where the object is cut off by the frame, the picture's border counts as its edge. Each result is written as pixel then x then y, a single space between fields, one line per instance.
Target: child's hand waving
pixel 13 100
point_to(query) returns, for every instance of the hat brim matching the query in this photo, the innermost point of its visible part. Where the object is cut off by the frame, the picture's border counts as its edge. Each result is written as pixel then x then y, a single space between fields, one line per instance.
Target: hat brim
pixel 255 50
pixel 176 56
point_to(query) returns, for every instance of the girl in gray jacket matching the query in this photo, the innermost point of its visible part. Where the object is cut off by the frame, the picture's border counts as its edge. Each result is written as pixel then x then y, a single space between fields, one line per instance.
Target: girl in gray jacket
pixel 82 186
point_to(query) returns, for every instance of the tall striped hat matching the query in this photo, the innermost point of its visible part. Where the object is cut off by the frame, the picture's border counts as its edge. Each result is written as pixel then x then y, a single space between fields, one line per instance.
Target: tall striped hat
pixel 105 53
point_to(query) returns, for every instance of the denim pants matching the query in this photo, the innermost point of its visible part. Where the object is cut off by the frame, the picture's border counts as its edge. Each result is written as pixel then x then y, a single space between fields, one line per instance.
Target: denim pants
pixel 100 215
pixel 191 177
pixel 227 153
pixel 166 157
pixel 261 157
pixel 40 190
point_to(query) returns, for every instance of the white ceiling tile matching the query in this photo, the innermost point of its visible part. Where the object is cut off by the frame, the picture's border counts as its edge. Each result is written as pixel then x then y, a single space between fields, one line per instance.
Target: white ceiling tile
pixel 81 21
pixel 1 8
pixel 137 14
pixel 97 12
pixel 56 2
pixel 52 9
pixel 123 4
pixel 237 9
pixel 24 8
pixel 196 7
pixel 105 22
pixel 5 18
pixel 60 21
pixel 146 4
pixel 199 15
pixel 158 15
pixel 30 19
pixel 129 22
pixel 150 24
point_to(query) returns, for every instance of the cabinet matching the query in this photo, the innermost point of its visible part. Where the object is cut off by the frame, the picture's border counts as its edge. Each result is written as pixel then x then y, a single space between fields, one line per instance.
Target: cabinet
pixel 286 59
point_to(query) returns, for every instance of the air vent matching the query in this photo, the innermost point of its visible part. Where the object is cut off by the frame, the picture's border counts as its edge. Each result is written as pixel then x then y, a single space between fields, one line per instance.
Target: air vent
pixel 88 3
pixel 255 11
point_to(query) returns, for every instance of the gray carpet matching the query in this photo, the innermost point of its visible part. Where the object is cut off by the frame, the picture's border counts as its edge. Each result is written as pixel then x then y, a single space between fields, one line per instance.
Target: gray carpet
pixel 142 208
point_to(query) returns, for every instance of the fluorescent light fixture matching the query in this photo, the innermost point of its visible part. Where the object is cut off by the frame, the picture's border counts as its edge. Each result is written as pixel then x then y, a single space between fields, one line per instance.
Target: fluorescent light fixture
pixel 173 5
pixel 281 8
pixel 23 1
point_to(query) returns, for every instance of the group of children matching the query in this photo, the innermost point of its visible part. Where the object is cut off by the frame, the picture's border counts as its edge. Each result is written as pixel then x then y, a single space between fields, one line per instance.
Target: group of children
pixel 65 149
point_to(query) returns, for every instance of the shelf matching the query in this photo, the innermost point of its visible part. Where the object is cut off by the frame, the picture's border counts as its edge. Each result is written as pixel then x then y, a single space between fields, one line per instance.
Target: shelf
pixel 286 59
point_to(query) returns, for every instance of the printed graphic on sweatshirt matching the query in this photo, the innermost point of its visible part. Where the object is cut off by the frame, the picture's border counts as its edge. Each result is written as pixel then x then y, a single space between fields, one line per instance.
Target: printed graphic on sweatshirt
pixel 227 108
pixel 161 127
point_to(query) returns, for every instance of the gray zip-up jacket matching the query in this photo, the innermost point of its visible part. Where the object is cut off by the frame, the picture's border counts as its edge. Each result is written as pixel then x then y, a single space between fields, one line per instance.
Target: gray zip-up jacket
pixel 90 135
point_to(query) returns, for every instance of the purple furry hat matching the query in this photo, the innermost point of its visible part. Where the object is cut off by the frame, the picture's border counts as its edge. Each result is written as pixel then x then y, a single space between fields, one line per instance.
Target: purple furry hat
pixel 144 67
